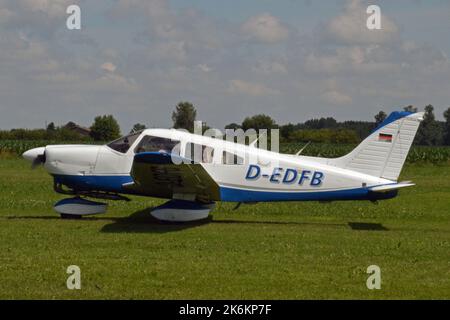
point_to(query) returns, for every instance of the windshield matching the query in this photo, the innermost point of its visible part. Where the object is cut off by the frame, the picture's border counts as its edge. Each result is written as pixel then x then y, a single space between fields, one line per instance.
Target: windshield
pixel 158 144
pixel 123 144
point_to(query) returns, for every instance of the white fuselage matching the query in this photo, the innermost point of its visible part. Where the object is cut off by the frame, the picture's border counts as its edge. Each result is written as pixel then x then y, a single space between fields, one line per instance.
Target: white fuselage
pixel 259 175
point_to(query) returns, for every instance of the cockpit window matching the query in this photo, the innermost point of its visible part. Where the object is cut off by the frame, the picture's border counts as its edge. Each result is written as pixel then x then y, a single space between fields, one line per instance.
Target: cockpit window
pixel 123 144
pixel 198 153
pixel 232 159
pixel 158 144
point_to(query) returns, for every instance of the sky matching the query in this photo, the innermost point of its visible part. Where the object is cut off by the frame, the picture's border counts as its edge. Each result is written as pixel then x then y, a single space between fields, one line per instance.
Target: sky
pixel 291 59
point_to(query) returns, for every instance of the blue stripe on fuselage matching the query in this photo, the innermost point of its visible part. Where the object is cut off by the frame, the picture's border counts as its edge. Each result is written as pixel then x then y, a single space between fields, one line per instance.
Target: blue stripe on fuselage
pixel 94 183
pixel 242 195
pixel 114 184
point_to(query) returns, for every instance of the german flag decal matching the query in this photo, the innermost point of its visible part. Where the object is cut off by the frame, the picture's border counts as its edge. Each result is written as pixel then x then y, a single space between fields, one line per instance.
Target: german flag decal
pixel 385 137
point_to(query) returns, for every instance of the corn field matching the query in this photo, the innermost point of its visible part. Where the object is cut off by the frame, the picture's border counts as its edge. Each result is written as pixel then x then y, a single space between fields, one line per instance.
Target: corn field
pixel 417 154
pixel 20 146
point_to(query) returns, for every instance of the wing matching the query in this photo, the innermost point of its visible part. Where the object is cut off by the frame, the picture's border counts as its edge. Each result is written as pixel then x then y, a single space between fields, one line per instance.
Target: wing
pixel 155 174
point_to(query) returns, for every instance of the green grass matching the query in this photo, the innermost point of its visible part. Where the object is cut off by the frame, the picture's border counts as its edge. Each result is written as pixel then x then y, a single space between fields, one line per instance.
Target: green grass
pixel 274 251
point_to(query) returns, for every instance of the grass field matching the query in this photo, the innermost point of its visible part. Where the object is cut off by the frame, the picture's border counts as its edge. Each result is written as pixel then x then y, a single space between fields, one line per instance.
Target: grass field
pixel 276 251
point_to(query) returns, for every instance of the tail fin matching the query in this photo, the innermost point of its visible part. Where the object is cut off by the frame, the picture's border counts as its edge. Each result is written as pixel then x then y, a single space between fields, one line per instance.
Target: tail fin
pixel 384 151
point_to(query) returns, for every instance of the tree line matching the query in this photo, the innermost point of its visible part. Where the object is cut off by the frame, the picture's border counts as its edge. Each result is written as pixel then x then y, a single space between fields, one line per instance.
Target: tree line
pixel 431 131
pixel 105 128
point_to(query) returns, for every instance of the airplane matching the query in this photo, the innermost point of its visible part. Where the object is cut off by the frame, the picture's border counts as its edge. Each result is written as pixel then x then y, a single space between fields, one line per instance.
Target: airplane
pixel 160 163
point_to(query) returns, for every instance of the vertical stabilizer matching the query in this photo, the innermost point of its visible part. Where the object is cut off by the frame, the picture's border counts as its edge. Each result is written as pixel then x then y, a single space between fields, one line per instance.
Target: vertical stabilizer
pixel 384 151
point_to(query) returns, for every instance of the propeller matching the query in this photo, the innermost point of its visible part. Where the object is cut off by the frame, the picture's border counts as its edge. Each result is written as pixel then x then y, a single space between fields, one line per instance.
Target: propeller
pixel 40 159
pixel 36 156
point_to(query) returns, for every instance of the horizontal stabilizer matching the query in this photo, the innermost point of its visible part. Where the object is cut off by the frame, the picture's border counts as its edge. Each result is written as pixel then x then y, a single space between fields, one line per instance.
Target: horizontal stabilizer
pixel 390 187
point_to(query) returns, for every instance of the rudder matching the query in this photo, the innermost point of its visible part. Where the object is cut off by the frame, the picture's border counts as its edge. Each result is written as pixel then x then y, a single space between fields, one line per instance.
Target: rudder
pixel 384 151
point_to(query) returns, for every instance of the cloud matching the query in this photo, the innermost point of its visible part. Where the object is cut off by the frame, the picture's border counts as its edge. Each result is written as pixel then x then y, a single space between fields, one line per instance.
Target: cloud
pixel 265 28
pixel 251 89
pixel 148 55
pixel 111 81
pixel 5 15
pixel 173 51
pixel 271 66
pixel 204 67
pixel 336 98
pixel 39 18
pixel 57 77
pixel 333 95
pixel 350 27
pixel 108 66
pixel 51 8
pixel 318 63
pixel 353 59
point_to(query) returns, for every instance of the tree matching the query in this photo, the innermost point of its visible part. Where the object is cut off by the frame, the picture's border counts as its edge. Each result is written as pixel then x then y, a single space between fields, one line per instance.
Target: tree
pixel 380 117
pixel 51 131
pixel 260 121
pixel 430 131
pixel 325 136
pixel 205 127
pixel 51 127
pixel 447 127
pixel 184 116
pixel 410 109
pixel 138 127
pixel 322 123
pixel 362 128
pixel 66 134
pixel 233 126
pixel 105 128
pixel 286 131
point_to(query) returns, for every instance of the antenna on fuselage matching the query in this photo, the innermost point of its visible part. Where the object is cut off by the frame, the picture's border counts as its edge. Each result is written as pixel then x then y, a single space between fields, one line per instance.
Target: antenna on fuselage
pixel 237 206
pixel 301 150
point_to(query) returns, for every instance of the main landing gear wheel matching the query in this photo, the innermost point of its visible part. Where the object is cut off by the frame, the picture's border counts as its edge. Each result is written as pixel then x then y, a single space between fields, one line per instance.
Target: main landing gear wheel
pixel 75 208
pixel 182 211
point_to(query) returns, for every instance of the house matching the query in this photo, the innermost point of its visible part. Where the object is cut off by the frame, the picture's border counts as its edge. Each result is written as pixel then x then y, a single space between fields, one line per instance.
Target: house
pixel 82 131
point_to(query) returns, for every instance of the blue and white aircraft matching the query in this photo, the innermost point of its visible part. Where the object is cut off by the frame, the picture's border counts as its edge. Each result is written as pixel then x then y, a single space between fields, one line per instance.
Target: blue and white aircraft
pixel 158 163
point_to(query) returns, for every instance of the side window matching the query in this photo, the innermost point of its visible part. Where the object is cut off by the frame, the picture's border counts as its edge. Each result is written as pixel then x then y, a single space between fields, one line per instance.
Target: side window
pixel 199 153
pixel 158 144
pixel 231 159
pixel 123 144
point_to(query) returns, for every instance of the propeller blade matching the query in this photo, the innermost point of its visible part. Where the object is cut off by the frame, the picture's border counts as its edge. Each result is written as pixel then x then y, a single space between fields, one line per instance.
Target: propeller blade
pixel 40 159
